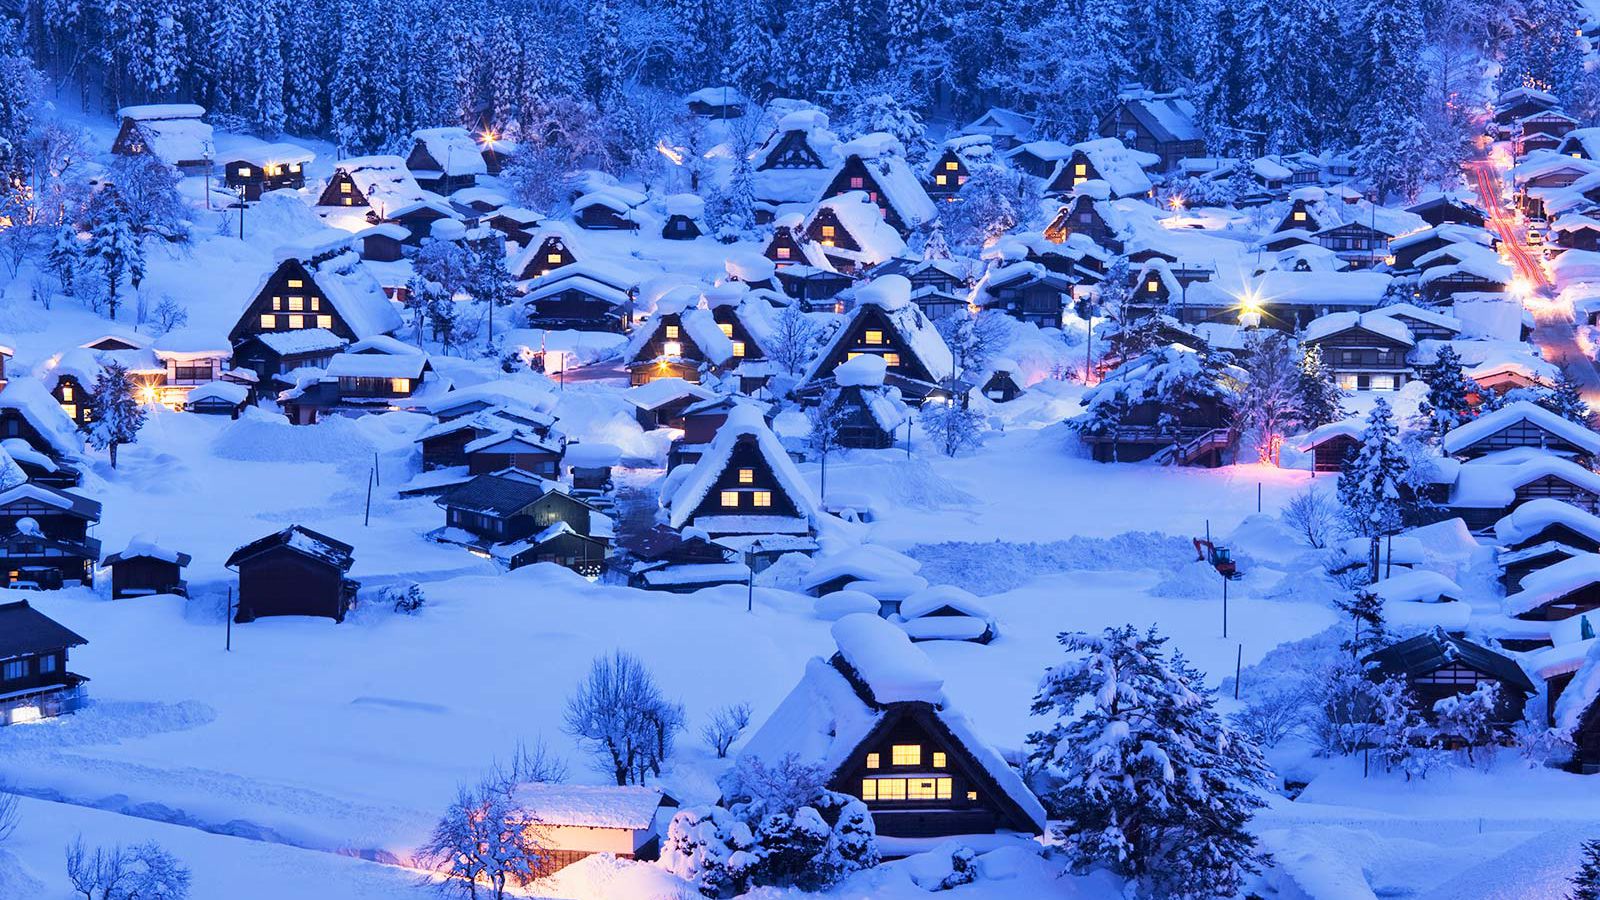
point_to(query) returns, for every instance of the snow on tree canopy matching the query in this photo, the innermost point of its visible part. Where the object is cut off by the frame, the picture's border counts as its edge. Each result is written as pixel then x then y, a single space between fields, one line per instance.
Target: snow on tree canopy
pixel 1521 411
pixel 892 667
pixel 1534 516
pixel 866 370
pixel 11 474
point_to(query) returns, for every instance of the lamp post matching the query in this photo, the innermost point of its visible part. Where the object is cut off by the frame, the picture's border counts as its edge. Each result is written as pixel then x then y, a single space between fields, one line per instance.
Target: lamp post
pixel 240 191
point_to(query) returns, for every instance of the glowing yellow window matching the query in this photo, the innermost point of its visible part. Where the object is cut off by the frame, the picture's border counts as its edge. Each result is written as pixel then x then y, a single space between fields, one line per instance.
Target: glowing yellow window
pixel 783 252
pixel 939 759
pixel 851 355
pixel 553 258
pixel 296 283
pixel 325 322
pixel 828 231
pixel 1080 169
pixel 672 348
pixel 269 321
pixel 71 409
pixel 891 359
pixel 891 789
pixel 295 167
pixel 872 760
pixel 972 795
pixel 747 476
pixel 1152 287
pixel 344 187
pixel 297 304
pixel 730 499
pixel 763 498
pixel 726 329
pixel 951 165
pixel 738 349
pixel 244 171
pixel 316 303
pixel 400 385
pixel 672 332
pixel 1299 215
pixel 297 321
pixel 906 754
pixel 873 336
pixel 277 303
pixel 66 393
pixel 922 789
pixel 941 179
pixel 869 789
pixel 347 200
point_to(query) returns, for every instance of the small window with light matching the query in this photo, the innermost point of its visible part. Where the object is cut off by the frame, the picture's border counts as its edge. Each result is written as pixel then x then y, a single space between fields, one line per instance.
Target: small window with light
pixel 747 476
pixel 906 754
pixel 939 760
pixel 763 499
pixel 672 332
pixel 873 336
pixel 872 760
pixel 730 499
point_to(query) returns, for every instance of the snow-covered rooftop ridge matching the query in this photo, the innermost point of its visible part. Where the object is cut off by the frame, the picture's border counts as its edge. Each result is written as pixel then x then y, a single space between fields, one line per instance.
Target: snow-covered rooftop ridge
pixel 145 545
pixel 1417 586
pixel 153 111
pixel 1554 582
pixel 866 370
pixel 939 596
pixel 629 806
pixel 1487 424
pixel 1325 326
pixel 891 668
pixel 1534 516
pixel 454 149
pixel 1487 486
pixel 744 422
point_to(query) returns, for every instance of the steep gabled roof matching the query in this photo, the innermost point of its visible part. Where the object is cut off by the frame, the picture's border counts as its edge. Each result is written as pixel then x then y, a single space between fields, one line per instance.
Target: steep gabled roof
pixel 743 423
pixel 301 540
pixel 1432 651
pixel 26 631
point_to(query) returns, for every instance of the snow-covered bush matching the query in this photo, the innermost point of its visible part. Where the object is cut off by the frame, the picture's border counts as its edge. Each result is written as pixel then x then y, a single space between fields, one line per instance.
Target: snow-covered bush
pixel 710 848
pixel 1468 720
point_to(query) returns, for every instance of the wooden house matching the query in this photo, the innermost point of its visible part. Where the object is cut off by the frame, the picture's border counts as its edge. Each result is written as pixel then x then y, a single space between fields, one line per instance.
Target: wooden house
pixel 218 398
pixel 744 486
pixel 1484 492
pixel 522 519
pixel 445 443
pixel 384 242
pixel 800 141
pixel 1197 433
pixel 1544 130
pixel 574 821
pixel 1331 445
pixel 814 288
pixel 1575 711
pixel 1038 158
pixel 1001 384
pixel 1423 323
pixel 275 353
pixel 522 448
pixel 39 467
pixel 517 223
pixel 1437 665
pixel 44 536
pixel 1029 293
pixel 29 413
pixel 944 177
pixel 885 323
pixel 682 562
pixel 70 377
pixel 170 132
pixel 700 421
pixel 1563 589
pixel 1357 243
pixel 685 217
pixel 867 414
pixel 612 209
pixel 875 718
pixel 1441 209
pixel 722 102
pixel 1520 102
pixel 1005 128
pixel 323 286
pixel 445 160
pixel 787 247
pixel 580 297
pixel 1364 351
pixel 144 568
pixel 253 171
pixel 1159 124
pixel 294 572
pixel 679 341
pixel 1105 160
pixel 588 466
pixel 546 249
pixel 946 613
pixel 875 165
pixel 660 402
pixel 1083 215
pixel 852 234
pixel 34 681
pixel 1577 233
pixel 1300 216
pixel 380 183
pixel 1540 533
pixel 1521 424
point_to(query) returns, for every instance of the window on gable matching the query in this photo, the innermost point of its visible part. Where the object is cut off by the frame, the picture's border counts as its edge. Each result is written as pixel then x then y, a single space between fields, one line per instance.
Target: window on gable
pixel 671 332
pixel 872 760
pixel 906 754
pixel 269 321
pixel 297 321
pixel 939 759
pixel 747 476
pixel 857 182
pixel 763 499
pixel 325 322
pixel 951 165
pixel 873 336
pixel 730 499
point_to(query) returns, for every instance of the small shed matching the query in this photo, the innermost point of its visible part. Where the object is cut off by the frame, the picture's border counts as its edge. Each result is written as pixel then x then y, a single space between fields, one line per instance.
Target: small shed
pixel 294 572
pixel 144 567
pixel 574 821
pixel 946 613
pixel 218 398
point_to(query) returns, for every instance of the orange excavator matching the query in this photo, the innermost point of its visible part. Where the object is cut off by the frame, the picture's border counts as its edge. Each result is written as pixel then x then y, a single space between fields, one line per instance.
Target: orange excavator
pixel 1220 558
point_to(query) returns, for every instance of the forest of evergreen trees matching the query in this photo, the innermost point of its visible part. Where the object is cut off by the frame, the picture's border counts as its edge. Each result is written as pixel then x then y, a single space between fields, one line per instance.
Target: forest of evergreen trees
pixel 1394 80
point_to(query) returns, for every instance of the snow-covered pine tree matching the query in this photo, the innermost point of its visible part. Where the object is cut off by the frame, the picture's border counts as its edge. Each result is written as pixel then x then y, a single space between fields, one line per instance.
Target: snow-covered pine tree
pixel 1446 406
pixel 157 50
pixel 117 250
pixel 1115 288
pixel 1389 65
pixel 1565 399
pixel 602 75
pixel 1544 49
pixel 1370 486
pixel 265 111
pixel 115 414
pixel 65 257
pixel 305 68
pixel 1148 779
pixel 1223 88
pixel 1269 404
pixel 1586 881
pixel 1368 630
pixel 935 246
pixel 1321 399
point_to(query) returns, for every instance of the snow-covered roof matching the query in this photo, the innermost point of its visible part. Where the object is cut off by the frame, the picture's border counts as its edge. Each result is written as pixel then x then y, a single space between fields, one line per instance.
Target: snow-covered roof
pixel 660 391
pixel 1344 428
pixel 172 132
pixel 1534 516
pixel 629 806
pixel 866 370
pixel 453 149
pixel 279 154
pixel 1463 436
pixel 153 111
pixel 891 294
pixel 31 401
pixel 146 546
pixel 1120 167
pixel 743 423
pixel 863 220
pixel 1417 586
pixel 306 340
pixel 383 180
pixel 226 391
pixel 1488 486
pixel 1354 288
pixel 940 596
pixel 1553 582
pixel 890 666
pixel 1326 326
pixel 1412 311
pixel 377 365
pixel 839 604
pixel 356 295
pixel 1580 692
pixel 723 95
pixel 884 159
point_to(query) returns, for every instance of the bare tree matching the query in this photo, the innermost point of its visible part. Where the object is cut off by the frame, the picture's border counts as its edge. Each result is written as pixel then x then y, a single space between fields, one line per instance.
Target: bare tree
pixel 619 715
pixel 826 418
pixel 725 726
pixel 792 337
pixel 952 427
pixel 10 815
pixel 974 338
pixel 1313 515
pixel 144 872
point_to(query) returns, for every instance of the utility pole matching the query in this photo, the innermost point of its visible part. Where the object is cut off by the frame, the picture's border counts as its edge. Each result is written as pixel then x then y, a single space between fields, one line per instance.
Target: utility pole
pixel 366 518
pixel 241 212
pixel 227 617
pixel 1224 607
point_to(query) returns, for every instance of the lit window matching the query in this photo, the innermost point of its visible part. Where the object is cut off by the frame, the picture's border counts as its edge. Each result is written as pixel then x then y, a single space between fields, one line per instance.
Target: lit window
pixel 783 252
pixel 869 789
pixel 939 759
pixel 873 336
pixel 297 304
pixel 269 321
pixel 1299 215
pixel 296 283
pixel 244 171
pixel 325 322
pixel 763 498
pixel 927 789
pixel 827 231
pixel 872 760
pixel 906 754
pixel 1152 287
pixel 553 258
pixel 951 165
pixel 672 348
pixel 726 329
pixel 400 385
pixel 316 303
pixel 347 200
pixel 71 409
pixel 344 188
pixel 1078 181
pixel 747 476
pixel 66 393
pixel 856 182
pixel 294 167
pixel 1080 169
pixel 891 788
pixel 738 348
pixel 672 332
pixel 941 179
pixel 891 359
pixel 297 321
pixel 972 795
pixel 277 303
pixel 730 499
